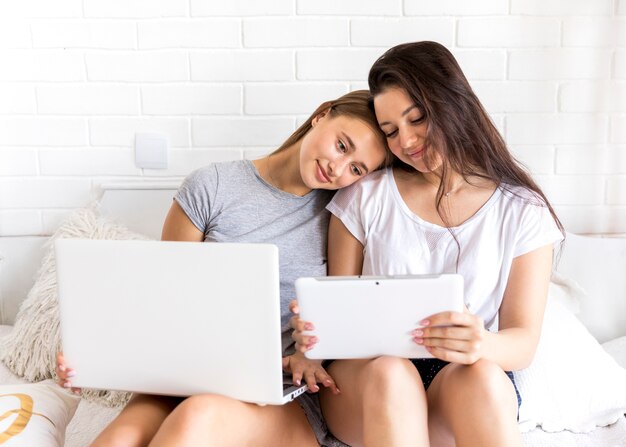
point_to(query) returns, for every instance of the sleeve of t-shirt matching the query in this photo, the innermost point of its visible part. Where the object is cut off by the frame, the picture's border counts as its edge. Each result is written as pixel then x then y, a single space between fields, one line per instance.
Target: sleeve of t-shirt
pixel 346 206
pixel 196 195
pixel 537 229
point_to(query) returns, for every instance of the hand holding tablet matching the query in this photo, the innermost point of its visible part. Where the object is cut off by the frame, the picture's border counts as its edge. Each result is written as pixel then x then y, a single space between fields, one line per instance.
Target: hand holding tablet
pixel 366 316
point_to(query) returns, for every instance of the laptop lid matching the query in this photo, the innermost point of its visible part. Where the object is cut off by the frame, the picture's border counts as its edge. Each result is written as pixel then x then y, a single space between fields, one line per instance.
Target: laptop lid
pixel 175 318
pixel 370 316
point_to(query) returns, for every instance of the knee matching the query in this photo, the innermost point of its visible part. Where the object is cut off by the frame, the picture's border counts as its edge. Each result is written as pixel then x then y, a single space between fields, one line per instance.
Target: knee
pixel 388 375
pixel 484 381
pixel 200 410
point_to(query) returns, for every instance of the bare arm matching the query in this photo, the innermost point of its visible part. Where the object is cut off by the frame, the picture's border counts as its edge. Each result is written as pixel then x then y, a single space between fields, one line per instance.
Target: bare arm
pixel 522 310
pixel 345 252
pixel 178 227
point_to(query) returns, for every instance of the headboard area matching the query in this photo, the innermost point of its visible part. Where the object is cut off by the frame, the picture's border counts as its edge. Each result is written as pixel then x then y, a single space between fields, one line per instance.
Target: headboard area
pixel 141 207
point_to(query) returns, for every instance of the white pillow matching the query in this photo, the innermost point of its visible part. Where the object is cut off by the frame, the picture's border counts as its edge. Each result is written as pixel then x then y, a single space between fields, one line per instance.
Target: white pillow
pixel 36 414
pixel 29 350
pixel 572 383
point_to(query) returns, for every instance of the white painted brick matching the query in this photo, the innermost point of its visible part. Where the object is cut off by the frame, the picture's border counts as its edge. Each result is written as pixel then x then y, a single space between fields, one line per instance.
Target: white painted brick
pixel 88 99
pixel 593 32
pixel 391 31
pixel 84 34
pixel 52 219
pixel 279 99
pixel 182 162
pixel 232 132
pixel 39 65
pixel 537 159
pixel 295 32
pixel 589 96
pixel 14 34
pixel 556 129
pixel 196 33
pixel 17 99
pixel 621 7
pixel 242 65
pixel 335 64
pixel 573 190
pixel 41 8
pixel 618 129
pixel 20 223
pixel 559 64
pixel 562 7
pixel 241 8
pixel 620 65
pixel 482 64
pixel 616 190
pixel 593 219
pixel 136 8
pixel 121 131
pixel 350 7
pixel 35 131
pixel 499 97
pixel 601 159
pixel 455 7
pixel 498 32
pixel 38 192
pixel 191 99
pixel 18 162
pixel 88 162
pixel 157 66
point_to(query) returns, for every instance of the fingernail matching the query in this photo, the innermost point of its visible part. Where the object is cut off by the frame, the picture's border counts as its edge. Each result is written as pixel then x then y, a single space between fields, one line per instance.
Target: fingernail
pixel 308 327
pixel 62 368
pixel 67 385
pixel 327 382
pixel 298 382
pixel 71 373
pixel 419 341
pixel 418 332
pixel 425 322
pixel 77 392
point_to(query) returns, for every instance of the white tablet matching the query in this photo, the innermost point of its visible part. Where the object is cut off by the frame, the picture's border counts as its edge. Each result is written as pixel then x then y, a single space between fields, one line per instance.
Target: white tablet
pixel 369 316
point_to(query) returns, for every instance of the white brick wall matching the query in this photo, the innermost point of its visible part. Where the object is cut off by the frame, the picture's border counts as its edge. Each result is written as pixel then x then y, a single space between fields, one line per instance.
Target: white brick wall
pixel 226 80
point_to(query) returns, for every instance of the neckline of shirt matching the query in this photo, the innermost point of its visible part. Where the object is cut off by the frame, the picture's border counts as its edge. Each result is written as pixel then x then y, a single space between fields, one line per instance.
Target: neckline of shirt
pixel 405 208
pixel 277 191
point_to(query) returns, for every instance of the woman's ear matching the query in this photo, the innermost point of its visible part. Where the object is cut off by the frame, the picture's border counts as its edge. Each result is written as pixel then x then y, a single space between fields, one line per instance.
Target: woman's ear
pixel 322 114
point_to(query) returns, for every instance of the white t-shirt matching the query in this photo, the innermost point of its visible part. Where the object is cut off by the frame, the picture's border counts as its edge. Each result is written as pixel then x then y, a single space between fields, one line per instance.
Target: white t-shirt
pixel 397 241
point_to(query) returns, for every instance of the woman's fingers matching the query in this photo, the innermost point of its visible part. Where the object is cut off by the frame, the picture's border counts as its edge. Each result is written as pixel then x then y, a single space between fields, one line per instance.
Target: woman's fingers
pixel 293 307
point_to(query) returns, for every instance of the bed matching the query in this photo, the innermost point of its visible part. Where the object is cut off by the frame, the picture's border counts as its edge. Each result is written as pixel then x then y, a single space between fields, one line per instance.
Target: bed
pixel 587 300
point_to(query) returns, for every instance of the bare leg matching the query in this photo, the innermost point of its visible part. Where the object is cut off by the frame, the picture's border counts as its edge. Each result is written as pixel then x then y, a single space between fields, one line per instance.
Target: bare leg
pixel 212 420
pixel 382 402
pixel 472 405
pixel 137 423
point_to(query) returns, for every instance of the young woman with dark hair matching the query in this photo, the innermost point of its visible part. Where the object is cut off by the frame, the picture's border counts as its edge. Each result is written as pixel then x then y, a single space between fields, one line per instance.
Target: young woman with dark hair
pixel 455 201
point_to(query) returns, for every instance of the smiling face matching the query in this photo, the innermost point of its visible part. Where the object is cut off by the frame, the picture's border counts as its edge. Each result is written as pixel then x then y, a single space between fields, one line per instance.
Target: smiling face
pixel 338 151
pixel 405 127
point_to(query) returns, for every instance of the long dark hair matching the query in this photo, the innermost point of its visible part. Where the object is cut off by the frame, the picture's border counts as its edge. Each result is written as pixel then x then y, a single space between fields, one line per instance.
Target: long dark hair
pixel 459 128
pixel 357 105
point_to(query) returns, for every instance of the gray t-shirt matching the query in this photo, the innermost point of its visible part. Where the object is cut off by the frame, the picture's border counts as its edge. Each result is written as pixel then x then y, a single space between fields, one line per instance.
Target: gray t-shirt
pixel 230 202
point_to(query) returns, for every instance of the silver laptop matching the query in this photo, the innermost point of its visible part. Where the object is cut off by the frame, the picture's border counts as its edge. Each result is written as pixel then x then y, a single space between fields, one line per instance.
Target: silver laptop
pixel 173 318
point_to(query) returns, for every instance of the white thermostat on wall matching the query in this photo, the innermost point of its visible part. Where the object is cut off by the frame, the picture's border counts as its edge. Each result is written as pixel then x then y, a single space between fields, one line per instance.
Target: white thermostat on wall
pixel 151 150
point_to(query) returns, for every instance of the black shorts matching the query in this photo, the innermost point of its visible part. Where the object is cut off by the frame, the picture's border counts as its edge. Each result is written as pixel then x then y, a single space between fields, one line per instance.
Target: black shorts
pixel 428 369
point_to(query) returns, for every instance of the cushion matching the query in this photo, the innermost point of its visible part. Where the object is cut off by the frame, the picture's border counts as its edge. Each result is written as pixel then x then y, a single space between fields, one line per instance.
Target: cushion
pixel 572 383
pixel 29 351
pixel 35 414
